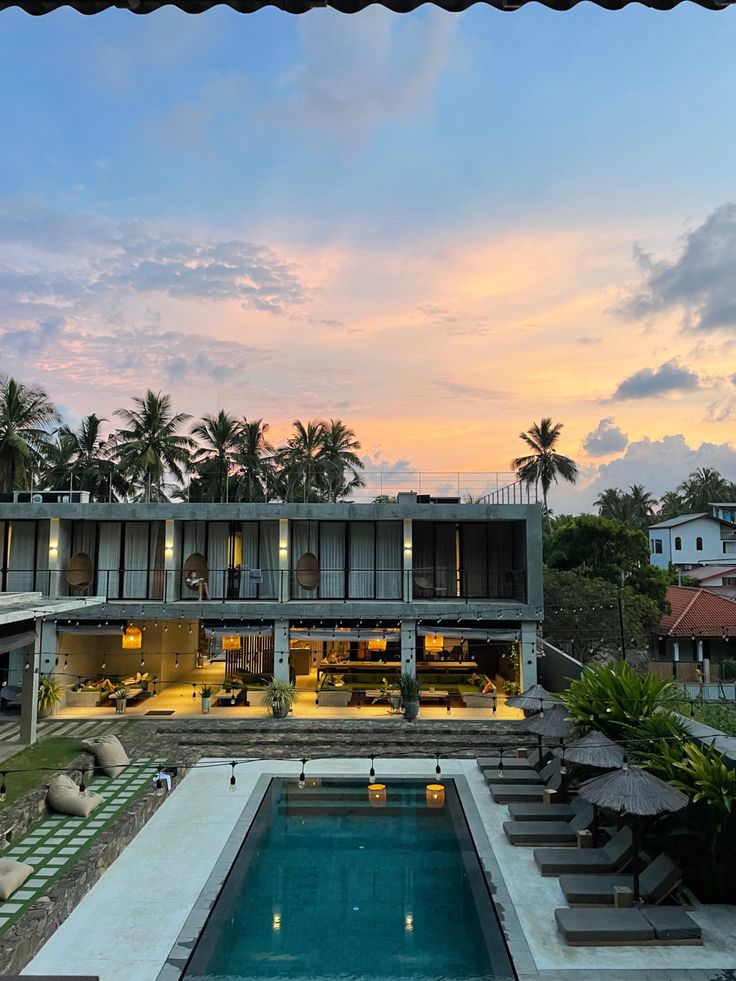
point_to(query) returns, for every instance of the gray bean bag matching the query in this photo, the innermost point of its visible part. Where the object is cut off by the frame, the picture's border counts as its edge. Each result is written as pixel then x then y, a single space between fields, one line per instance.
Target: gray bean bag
pixel 12 875
pixel 109 753
pixel 65 797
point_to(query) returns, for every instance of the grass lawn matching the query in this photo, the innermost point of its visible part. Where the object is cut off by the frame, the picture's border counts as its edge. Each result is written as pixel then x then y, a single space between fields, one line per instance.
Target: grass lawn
pixel 53 753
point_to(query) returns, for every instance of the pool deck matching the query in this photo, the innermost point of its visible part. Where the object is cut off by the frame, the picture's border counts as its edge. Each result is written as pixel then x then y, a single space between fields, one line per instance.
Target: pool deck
pixel 127 925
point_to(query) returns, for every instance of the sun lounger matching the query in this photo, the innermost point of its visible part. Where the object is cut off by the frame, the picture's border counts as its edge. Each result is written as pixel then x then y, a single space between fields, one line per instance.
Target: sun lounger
pixel 507 793
pixel 510 761
pixel 612 857
pixel 528 777
pixel 542 812
pixel 656 882
pixel 548 832
pixel 609 927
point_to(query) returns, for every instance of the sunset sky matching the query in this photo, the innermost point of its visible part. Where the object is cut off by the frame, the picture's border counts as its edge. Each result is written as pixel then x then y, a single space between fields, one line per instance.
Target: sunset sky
pixel 436 227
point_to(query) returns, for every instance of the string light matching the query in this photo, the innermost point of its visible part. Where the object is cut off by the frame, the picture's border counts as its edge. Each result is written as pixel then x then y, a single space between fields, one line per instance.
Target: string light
pixel 372 772
pixel 3 788
pixel 232 776
pixel 302 777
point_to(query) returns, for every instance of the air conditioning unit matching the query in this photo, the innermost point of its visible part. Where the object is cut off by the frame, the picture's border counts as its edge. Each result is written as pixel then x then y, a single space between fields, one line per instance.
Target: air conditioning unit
pixel 36 498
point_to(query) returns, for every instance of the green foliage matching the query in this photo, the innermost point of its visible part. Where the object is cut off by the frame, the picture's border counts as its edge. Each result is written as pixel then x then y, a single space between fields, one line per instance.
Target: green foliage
pixel 50 694
pixel 675 577
pixel 409 688
pixel 661 727
pixel 616 700
pixel 728 670
pixel 717 715
pixel 205 691
pixel 279 695
pixel 544 465
pixel 703 775
pixel 584 611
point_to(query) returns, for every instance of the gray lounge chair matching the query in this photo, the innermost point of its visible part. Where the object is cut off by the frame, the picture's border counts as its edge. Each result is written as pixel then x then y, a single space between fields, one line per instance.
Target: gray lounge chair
pixel 612 857
pixel 508 793
pixel 511 762
pixel 607 927
pixel 528 777
pixel 543 812
pixel 549 832
pixel 656 882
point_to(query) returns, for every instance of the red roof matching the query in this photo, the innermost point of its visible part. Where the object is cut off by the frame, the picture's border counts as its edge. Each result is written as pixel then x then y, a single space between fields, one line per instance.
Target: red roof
pixel 698 612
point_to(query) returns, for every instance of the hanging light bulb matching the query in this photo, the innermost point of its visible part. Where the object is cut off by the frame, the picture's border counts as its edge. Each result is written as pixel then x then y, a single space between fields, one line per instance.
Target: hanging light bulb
pixel 232 776
pixel 194 691
pixel 302 777
pixel 3 788
pixel 438 768
pixel 372 772
pixel 66 661
pixel 176 661
pixel 103 665
pixel 143 660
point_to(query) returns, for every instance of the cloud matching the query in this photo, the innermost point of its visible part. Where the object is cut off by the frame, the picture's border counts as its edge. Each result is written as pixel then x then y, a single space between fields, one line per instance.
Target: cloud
pixel 605 439
pixel 469 393
pixel 649 382
pixel 722 410
pixel 587 341
pixel 698 282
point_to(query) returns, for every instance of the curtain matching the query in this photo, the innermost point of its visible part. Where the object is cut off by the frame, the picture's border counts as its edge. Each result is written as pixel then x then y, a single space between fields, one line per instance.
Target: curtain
pixel 248 587
pixel 22 556
pixel 332 559
pixel 193 541
pixel 268 557
pixel 84 538
pixel 445 559
pixel 135 564
pixel 217 537
pixel 43 583
pixel 500 560
pixel 108 561
pixel 474 554
pixel 423 559
pixel 156 561
pixel 389 559
pixel 361 580
pixel 304 535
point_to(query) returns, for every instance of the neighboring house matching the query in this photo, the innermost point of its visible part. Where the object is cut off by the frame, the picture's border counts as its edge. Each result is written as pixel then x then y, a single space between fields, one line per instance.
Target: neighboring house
pixel 700 630
pixel 720 579
pixel 407 582
pixel 691 540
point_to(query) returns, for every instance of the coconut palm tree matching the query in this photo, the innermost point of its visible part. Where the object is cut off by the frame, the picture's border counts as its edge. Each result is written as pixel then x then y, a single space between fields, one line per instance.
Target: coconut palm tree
pixel 83 460
pixel 613 503
pixel 341 462
pixel 219 437
pixel 671 505
pixel 641 507
pixel 544 465
pixel 302 462
pixel 254 456
pixel 703 487
pixel 25 416
pixel 150 445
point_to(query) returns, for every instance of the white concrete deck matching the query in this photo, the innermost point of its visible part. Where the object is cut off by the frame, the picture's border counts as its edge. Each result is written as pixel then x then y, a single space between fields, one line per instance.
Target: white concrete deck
pixel 125 927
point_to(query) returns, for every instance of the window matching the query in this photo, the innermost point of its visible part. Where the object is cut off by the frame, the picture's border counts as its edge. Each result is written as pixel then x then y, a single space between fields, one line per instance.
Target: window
pixel 729 581
pixel 678 544
pixel 698 544
pixel 657 545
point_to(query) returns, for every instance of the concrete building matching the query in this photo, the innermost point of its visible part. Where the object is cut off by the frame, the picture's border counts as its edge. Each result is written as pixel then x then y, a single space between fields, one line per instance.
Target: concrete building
pixel 691 540
pixel 291 590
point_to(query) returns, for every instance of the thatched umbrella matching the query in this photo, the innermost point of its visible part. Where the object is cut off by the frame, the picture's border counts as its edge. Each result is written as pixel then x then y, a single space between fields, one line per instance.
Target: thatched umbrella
pixel 534 699
pixel 594 749
pixel 632 790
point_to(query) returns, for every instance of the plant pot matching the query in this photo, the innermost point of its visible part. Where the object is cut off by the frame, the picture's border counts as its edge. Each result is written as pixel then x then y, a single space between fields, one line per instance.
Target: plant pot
pixel 120 705
pixel 205 704
pixel 411 710
pixel 280 712
pixel 46 713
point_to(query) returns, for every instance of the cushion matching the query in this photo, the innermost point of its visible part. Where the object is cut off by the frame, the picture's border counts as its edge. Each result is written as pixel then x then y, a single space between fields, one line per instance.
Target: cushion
pixel 109 753
pixel 12 875
pixel 65 797
pixel 672 923
pixel 602 926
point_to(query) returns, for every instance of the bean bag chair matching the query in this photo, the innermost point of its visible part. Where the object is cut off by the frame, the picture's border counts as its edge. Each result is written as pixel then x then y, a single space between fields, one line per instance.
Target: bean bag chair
pixel 12 875
pixel 65 797
pixel 109 753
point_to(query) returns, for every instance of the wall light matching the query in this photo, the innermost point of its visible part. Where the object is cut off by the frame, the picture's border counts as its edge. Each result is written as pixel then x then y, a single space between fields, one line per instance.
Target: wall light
pixel 277 921
pixel 409 922
pixel 53 547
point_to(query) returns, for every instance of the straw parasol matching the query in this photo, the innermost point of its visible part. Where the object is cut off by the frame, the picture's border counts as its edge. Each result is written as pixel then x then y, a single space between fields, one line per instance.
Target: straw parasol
pixel 534 699
pixel 551 724
pixel 594 749
pixel 632 790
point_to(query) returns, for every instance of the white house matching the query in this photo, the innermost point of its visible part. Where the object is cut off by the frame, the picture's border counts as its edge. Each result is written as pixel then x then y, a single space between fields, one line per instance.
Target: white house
pixel 691 540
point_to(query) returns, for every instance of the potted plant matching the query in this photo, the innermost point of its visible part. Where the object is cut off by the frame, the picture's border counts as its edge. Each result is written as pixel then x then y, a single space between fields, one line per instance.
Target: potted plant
pixel 206 692
pixel 119 695
pixel 409 688
pixel 50 694
pixel 280 696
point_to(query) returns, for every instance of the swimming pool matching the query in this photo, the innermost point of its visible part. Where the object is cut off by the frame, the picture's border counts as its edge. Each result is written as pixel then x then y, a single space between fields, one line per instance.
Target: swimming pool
pixel 332 884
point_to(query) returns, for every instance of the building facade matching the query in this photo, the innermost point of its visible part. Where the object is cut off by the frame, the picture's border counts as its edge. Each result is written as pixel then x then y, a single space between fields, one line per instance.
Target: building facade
pixel 691 540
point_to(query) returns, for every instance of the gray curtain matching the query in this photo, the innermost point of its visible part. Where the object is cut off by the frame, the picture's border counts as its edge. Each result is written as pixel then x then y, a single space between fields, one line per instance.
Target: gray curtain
pixel 21 565
pixel 304 538
pixel 217 536
pixel 108 562
pixel 269 559
pixel 135 578
pixel 332 559
pixel 156 560
pixel 500 560
pixel 474 553
pixel 42 562
pixel 248 587
pixel 361 579
pixel 389 559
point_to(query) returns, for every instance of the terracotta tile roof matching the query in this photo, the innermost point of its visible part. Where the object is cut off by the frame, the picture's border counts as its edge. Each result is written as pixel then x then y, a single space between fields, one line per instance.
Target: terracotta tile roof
pixel 698 612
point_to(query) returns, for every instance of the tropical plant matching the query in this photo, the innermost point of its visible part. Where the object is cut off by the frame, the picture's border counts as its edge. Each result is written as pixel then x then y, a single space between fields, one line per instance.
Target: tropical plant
pixel 302 463
pixel 409 688
pixel 544 465
pixel 119 692
pixel 205 691
pixel 150 446
pixel 340 461
pixel 50 694
pixel 254 461
pixel 671 505
pixel 615 699
pixel 613 503
pixel 704 486
pixel 25 416
pixel 728 669
pixel 641 506
pixel 280 696
pixel 83 459
pixel 219 438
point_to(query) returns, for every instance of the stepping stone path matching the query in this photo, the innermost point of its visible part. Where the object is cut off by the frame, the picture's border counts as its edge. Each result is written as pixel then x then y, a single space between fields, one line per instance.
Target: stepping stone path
pixel 77 728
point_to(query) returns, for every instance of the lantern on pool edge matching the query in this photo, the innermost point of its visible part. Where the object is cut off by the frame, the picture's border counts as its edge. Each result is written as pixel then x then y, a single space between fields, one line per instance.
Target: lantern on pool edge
pixel 132 639
pixel 435 795
pixel 231 643
pixel 377 794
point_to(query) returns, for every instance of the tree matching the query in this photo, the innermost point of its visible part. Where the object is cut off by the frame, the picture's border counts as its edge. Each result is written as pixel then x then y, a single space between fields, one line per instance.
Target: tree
pixel 82 460
pixel 641 507
pixel 150 445
pixel 544 465
pixel 671 505
pixel 25 416
pixel 254 458
pixel 703 487
pixel 339 459
pixel 219 437
pixel 302 462
pixel 613 503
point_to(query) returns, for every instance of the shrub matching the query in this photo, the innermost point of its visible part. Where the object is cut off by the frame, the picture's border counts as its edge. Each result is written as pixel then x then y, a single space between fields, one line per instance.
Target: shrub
pixel 728 670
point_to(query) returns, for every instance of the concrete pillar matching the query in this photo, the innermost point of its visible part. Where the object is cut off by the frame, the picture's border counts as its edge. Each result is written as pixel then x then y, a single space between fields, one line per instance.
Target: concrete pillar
pixel 409 647
pixel 281 650
pixel 284 560
pixel 29 697
pixel 528 655
pixel 676 650
pixel 172 561
pixel 55 576
pixel 699 650
pixel 408 561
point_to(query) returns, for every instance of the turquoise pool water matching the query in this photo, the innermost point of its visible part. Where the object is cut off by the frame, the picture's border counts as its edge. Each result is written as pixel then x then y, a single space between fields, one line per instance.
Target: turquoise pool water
pixel 330 886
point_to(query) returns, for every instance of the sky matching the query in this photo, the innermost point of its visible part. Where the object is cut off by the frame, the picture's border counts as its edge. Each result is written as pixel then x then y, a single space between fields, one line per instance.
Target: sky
pixel 437 227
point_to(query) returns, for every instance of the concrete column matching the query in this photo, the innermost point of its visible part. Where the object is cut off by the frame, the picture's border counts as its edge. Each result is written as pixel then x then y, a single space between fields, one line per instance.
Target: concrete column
pixel 676 650
pixel 29 697
pixel 284 560
pixel 281 650
pixel 528 655
pixel 409 647
pixel 408 561
pixel 699 650
pixel 172 561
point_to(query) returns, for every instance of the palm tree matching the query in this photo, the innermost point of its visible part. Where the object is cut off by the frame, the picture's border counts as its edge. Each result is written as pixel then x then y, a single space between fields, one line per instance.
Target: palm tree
pixel 641 506
pixel 544 465
pixel 671 505
pixel 56 470
pixel 25 415
pixel 84 460
pixel 302 463
pixel 703 487
pixel 613 503
pixel 340 460
pixel 150 444
pixel 219 436
pixel 254 454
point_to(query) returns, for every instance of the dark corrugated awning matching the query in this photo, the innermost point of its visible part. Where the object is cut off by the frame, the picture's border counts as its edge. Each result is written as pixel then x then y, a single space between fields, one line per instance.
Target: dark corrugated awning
pixel 38 7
